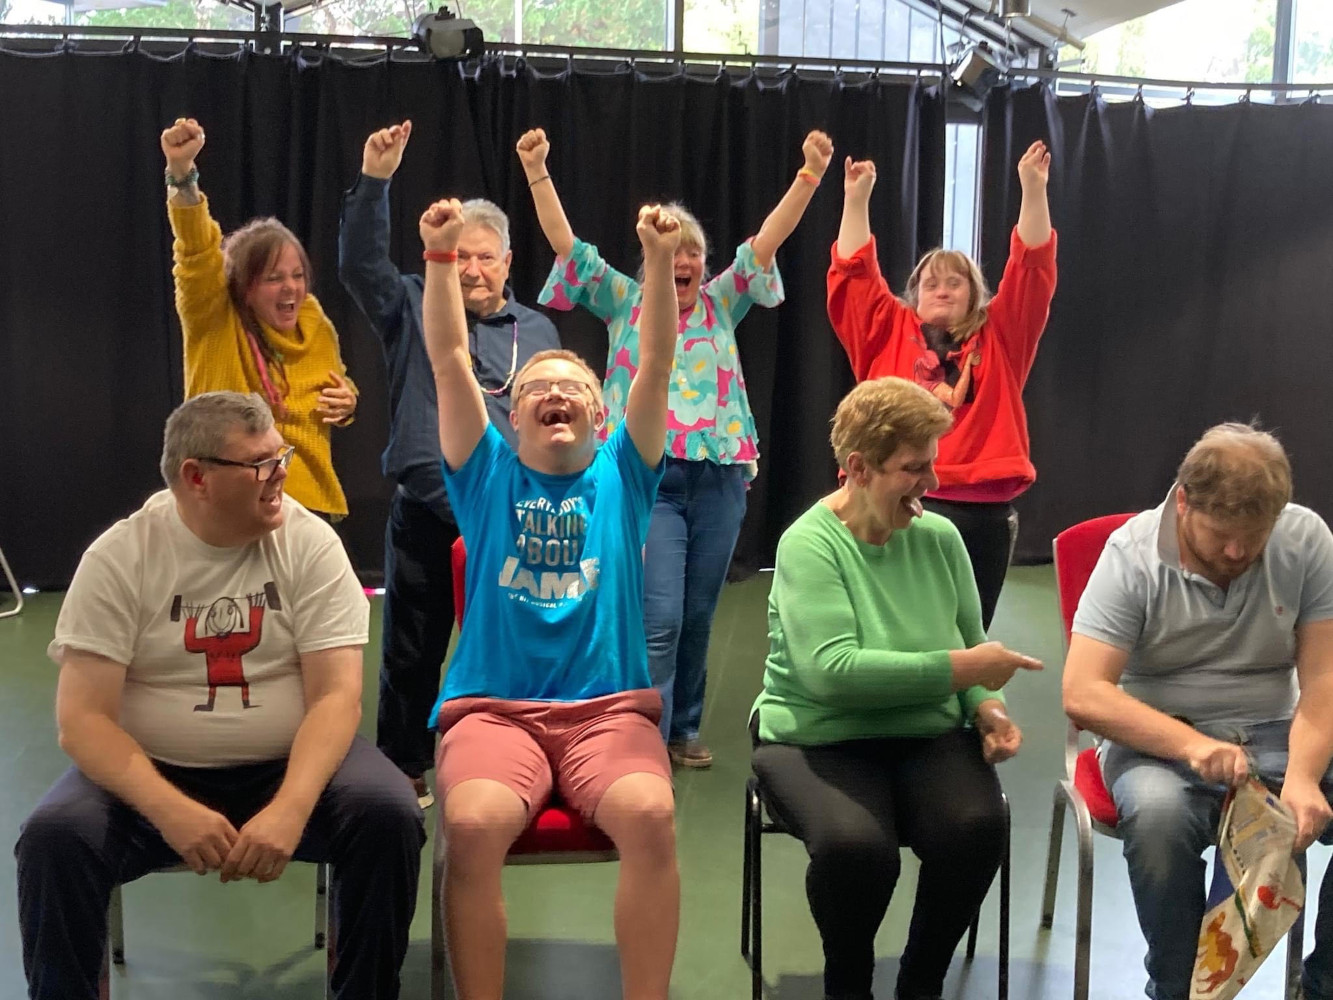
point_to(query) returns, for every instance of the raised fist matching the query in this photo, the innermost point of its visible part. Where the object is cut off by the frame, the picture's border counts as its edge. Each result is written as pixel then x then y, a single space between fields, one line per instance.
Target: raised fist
pixel 441 223
pixel 818 152
pixel 1034 166
pixel 659 231
pixel 181 144
pixel 384 150
pixel 858 177
pixel 533 148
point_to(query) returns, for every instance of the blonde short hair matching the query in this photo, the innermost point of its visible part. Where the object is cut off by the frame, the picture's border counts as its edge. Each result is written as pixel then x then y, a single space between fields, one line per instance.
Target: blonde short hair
pixel 953 262
pixel 560 354
pixel 692 235
pixel 1236 472
pixel 878 417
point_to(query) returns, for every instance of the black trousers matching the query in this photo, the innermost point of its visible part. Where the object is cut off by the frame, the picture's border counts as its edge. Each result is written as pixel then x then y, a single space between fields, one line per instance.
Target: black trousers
pixel 988 531
pixel 854 805
pixel 418 620
pixel 81 841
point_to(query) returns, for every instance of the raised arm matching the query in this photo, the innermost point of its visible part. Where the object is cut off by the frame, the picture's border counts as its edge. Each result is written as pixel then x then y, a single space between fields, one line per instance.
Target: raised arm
pixel 532 150
pixel 646 406
pixel 1034 214
pixel 88 697
pixel 364 267
pixel 858 180
pixel 781 222
pixel 461 406
pixel 198 269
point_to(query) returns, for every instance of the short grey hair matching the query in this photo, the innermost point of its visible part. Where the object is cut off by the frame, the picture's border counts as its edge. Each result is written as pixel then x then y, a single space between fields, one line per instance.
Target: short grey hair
pixel 480 212
pixel 199 427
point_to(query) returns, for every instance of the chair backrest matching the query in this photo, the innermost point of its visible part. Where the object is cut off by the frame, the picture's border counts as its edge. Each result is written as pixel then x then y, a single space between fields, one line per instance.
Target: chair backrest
pixel 1076 551
pixel 458 559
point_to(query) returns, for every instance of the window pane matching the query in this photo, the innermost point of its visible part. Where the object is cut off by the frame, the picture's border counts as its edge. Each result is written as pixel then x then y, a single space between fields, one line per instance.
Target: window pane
pixel 722 26
pixel 31 12
pixel 171 14
pixel 1312 61
pixel 960 187
pixel 925 33
pixel 1225 41
pixel 897 39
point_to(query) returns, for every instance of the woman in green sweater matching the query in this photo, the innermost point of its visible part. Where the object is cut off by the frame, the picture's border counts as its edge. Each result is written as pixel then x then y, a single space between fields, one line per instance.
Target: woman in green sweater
pixel 881 718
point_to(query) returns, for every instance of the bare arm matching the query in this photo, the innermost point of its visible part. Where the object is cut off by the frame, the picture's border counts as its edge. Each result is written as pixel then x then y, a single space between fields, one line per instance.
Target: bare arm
pixel 782 221
pixel 532 150
pixel 331 679
pixel 1034 214
pixel 462 410
pixel 1094 701
pixel 858 181
pixel 646 406
pixel 1310 743
pixel 88 698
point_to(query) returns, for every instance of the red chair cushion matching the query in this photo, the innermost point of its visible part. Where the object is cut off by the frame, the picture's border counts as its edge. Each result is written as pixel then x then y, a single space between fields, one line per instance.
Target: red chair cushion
pixel 1088 781
pixel 560 828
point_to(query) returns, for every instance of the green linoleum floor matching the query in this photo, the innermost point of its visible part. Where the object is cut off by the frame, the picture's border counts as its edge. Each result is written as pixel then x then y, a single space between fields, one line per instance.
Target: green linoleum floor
pixel 190 938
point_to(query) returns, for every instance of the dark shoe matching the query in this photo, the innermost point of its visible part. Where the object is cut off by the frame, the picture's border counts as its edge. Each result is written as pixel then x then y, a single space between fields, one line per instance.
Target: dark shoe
pixel 690 753
pixel 425 797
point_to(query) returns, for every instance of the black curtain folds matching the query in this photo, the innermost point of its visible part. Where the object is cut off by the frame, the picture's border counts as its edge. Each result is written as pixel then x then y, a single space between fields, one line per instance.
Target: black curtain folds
pixel 90 358
pixel 1196 248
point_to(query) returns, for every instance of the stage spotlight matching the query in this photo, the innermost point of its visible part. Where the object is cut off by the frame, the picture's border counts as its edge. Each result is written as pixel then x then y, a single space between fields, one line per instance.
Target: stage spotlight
pixel 975 74
pixel 446 36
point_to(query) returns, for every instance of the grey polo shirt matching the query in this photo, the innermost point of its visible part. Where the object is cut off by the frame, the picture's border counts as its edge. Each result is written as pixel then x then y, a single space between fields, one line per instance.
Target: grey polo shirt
pixel 1197 650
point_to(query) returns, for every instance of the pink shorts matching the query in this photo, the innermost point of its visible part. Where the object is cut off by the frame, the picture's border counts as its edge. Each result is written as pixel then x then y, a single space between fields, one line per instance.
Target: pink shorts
pixel 582 747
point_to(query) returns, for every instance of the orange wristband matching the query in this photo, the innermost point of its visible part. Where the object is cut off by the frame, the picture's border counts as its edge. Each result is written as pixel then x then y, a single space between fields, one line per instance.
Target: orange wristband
pixel 440 256
pixel 809 176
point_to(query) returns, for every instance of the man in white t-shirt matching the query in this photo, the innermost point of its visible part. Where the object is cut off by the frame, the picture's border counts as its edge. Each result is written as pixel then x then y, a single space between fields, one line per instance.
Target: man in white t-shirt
pixel 209 696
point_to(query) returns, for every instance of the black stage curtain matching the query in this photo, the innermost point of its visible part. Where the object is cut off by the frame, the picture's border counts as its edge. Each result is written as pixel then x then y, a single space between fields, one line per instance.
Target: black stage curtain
pixel 1196 247
pixel 89 345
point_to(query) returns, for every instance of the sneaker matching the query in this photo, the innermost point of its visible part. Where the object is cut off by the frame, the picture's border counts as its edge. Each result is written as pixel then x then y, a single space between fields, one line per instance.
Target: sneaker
pixel 425 797
pixel 690 753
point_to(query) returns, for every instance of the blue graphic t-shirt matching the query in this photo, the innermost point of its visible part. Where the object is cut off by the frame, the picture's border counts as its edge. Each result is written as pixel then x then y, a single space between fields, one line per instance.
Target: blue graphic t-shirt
pixel 554 586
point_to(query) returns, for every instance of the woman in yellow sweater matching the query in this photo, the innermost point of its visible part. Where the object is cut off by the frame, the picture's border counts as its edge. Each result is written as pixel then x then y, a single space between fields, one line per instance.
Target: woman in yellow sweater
pixel 250 324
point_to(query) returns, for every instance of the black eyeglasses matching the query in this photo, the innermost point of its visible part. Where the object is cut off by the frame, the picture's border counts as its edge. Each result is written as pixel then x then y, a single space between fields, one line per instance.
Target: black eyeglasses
pixel 567 386
pixel 263 470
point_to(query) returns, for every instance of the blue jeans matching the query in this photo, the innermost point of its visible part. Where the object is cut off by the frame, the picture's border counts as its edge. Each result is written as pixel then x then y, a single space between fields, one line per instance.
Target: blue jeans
pixel 697 516
pixel 1168 815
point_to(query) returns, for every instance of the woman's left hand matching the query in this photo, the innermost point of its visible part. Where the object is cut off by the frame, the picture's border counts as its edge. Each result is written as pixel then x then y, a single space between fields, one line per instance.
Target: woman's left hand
pixel 337 402
pixel 1000 738
pixel 818 150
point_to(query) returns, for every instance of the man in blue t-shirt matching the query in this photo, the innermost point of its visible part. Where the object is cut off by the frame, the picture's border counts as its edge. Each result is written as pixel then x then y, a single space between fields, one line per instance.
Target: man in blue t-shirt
pixel 549 684
pixel 1202 650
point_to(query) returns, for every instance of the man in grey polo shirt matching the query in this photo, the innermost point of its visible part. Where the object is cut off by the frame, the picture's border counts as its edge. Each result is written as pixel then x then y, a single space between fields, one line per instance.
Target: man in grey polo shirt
pixel 1202 647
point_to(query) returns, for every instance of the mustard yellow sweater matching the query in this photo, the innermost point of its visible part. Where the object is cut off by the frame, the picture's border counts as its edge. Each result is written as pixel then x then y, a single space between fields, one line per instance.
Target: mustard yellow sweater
pixel 218 355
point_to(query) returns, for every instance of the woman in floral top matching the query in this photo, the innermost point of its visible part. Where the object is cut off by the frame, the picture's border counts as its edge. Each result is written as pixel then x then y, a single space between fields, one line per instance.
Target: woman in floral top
pixel 712 446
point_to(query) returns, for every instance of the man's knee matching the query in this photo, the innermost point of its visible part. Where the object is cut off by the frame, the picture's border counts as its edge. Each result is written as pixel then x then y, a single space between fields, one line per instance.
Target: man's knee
pixel 638 812
pixel 482 818
pixel 55 832
pixel 1161 823
pixel 389 809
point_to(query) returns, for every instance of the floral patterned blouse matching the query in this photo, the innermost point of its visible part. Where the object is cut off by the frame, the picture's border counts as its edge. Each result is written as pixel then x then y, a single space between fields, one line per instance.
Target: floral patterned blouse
pixel 708 412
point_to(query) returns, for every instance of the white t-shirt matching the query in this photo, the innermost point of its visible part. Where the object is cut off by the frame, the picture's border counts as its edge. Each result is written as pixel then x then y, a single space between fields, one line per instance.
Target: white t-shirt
pixel 197 625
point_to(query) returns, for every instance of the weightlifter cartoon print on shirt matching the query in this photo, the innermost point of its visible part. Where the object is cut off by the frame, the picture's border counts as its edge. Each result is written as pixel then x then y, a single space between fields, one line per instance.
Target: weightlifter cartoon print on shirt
pixel 226 635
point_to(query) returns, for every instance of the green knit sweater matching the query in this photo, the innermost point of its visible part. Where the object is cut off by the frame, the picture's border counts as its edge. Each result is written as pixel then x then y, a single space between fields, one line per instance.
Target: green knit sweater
pixel 860 634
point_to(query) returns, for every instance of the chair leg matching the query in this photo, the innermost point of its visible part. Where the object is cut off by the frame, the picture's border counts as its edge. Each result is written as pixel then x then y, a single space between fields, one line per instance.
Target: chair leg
pixel 439 970
pixel 972 928
pixel 751 794
pixel 13 585
pixel 321 904
pixel 1053 861
pixel 1296 943
pixel 1002 992
pixel 757 907
pixel 115 922
pixel 1083 932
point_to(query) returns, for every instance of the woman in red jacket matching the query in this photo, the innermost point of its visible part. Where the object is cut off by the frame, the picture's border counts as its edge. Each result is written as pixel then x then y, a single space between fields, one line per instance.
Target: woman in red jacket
pixel 948 334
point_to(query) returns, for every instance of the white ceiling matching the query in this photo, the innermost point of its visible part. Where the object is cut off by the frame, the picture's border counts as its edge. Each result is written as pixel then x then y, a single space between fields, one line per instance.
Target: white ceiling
pixel 1091 16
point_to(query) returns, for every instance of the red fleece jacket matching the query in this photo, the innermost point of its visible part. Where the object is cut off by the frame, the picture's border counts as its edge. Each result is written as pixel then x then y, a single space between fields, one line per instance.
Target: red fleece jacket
pixel 987 447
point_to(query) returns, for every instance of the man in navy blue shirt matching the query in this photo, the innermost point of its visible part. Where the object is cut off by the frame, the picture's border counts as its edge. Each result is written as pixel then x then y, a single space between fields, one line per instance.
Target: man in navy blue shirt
pixel 502 336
